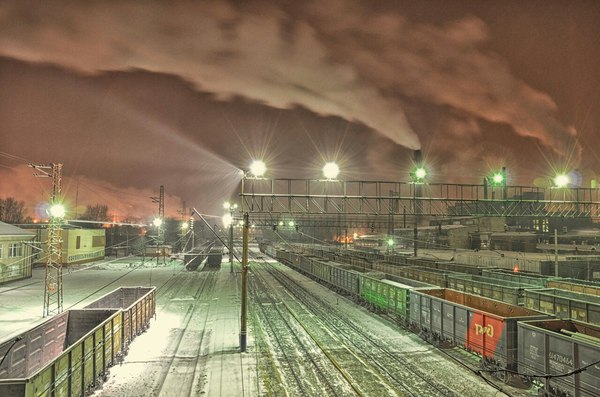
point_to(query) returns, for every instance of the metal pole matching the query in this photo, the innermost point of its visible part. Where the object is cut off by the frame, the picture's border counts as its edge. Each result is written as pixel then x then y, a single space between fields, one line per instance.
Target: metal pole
pixel 415 231
pixel 244 284
pixel 555 252
pixel 231 244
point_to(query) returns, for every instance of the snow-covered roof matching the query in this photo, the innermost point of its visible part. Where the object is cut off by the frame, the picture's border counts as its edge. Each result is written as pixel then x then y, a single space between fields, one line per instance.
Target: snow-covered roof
pixel 10 230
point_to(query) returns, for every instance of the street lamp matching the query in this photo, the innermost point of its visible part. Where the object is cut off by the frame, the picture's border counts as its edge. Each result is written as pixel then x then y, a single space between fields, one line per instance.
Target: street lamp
pixel 158 223
pixel 331 170
pixel 258 168
pixel 57 211
pixel 497 178
pixel 418 177
pixel 561 180
pixel 228 222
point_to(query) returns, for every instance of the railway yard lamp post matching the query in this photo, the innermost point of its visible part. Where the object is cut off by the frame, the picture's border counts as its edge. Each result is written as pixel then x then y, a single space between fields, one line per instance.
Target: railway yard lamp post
pixel 231 208
pixel 257 169
pixel 418 176
pixel 560 181
pixel 158 223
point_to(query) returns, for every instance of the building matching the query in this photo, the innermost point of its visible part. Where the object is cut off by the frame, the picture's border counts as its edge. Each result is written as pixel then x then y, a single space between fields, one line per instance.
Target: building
pixel 79 245
pixel 16 246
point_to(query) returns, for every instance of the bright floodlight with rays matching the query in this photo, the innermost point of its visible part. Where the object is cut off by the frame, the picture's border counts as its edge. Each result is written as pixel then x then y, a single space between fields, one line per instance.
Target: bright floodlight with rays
pixel 390 242
pixel 497 178
pixel 157 222
pixel 57 211
pixel 258 168
pixel 419 174
pixel 561 180
pixel 185 225
pixel 331 170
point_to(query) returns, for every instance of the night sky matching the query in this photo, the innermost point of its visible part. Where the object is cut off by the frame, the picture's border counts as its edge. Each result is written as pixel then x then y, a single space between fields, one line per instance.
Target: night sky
pixel 131 95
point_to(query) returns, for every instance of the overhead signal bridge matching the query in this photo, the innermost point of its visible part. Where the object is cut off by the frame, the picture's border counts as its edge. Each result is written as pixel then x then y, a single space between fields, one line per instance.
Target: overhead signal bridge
pixel 328 202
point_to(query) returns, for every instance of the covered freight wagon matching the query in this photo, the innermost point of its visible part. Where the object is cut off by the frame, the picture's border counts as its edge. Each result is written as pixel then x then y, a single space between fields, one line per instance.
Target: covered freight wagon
pixel 484 326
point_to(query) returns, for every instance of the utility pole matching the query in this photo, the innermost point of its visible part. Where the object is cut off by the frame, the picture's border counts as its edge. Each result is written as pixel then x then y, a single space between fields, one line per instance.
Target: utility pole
pixel 53 288
pixel 244 291
pixel 244 284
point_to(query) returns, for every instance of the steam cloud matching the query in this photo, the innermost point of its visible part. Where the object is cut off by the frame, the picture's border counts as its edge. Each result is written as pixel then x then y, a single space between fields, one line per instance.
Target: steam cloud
pixel 341 59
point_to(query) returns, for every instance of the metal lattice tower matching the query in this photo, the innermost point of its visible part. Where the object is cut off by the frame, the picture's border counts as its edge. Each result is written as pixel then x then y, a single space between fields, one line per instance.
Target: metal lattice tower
pixel 53 286
pixel 161 212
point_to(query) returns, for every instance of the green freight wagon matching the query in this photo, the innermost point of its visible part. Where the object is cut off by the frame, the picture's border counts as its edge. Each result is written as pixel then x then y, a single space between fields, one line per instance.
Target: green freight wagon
pixel 389 296
pixel 575 285
pixel 65 356
pixel 564 304
pixel 138 305
pixel 504 291
pixel 529 279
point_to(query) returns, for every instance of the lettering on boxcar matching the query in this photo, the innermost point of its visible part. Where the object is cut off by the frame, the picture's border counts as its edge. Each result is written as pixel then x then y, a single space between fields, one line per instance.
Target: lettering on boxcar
pixel 484 330
pixel 559 362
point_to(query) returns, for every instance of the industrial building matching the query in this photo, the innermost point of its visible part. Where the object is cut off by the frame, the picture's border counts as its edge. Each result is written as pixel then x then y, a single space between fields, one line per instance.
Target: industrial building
pixel 78 245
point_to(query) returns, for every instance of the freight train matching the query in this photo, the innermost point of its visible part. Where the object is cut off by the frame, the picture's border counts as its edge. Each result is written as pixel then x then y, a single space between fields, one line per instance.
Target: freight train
pixel 516 343
pixel 215 256
pixel 211 254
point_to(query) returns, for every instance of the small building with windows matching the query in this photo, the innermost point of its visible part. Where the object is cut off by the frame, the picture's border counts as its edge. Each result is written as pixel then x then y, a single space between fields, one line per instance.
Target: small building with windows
pixel 78 245
pixel 16 247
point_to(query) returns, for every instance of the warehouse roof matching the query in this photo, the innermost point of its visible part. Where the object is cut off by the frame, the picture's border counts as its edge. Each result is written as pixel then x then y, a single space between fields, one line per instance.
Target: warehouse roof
pixel 10 230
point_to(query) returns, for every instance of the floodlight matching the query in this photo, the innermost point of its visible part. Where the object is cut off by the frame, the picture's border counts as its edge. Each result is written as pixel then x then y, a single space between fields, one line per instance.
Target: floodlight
pixel 57 211
pixel 227 220
pixel 331 170
pixel 258 168
pixel 420 173
pixel 226 205
pixel 561 180
pixel 498 178
pixel 185 225
pixel 291 223
pixel 157 222
pixel 280 223
pixel 390 242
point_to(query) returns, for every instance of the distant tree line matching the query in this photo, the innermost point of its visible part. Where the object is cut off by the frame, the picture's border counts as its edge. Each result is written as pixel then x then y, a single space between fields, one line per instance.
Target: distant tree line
pixel 98 212
pixel 13 211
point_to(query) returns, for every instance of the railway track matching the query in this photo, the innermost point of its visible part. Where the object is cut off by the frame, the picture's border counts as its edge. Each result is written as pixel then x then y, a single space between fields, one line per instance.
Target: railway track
pixel 179 376
pixel 395 366
pixel 415 373
pixel 300 359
